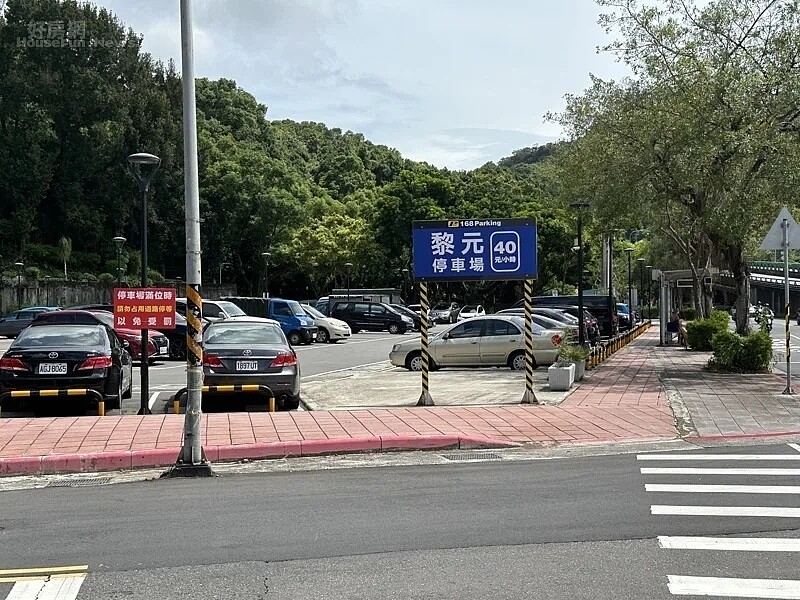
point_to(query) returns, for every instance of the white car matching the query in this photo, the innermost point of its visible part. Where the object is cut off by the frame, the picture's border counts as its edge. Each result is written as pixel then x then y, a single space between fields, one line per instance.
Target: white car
pixel 328 329
pixel 470 311
pixel 492 341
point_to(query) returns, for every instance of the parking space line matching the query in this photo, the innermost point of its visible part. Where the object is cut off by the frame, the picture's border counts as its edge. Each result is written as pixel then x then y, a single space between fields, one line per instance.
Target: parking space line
pixel 345 369
pixel 153 397
pixel 353 343
pixel 795 446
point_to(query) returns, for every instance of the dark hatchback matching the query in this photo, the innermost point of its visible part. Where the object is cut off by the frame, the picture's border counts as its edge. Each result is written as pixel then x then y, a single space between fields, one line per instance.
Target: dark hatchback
pixel 67 357
pixel 414 316
pixel 252 350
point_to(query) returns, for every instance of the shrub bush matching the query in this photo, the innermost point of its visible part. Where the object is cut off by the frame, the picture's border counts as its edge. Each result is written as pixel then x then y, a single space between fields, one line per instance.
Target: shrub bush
pixel 689 313
pixel 701 332
pixel 720 317
pixel 735 353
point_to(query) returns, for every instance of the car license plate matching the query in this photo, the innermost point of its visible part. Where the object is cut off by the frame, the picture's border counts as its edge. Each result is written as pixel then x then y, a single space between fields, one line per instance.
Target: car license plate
pixel 53 369
pixel 163 350
pixel 247 365
pixel 313 336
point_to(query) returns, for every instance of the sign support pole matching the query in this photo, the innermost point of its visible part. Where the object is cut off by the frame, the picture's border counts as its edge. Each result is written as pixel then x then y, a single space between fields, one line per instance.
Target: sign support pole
pixel 192 461
pixel 425 398
pixel 529 397
pixel 785 225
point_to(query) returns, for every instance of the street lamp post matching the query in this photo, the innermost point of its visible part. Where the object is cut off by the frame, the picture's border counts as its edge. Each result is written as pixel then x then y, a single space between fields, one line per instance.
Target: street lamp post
pixel 649 289
pixel 581 330
pixel 47 289
pixel 629 251
pixel 347 267
pixel 135 164
pixel 405 285
pixel 221 265
pixel 119 242
pixel 641 288
pixel 19 265
pixel 266 256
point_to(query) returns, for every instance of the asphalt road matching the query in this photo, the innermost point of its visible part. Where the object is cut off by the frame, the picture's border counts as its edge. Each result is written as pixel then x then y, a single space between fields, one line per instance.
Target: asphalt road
pixel 558 529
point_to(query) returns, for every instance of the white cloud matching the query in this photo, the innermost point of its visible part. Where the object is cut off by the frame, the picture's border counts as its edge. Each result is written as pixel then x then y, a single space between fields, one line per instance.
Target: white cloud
pixel 452 82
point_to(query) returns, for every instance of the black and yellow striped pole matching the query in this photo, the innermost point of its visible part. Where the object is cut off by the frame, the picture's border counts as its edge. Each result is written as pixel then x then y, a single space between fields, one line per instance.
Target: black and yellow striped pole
pixel 425 398
pixel 529 397
pixel 785 224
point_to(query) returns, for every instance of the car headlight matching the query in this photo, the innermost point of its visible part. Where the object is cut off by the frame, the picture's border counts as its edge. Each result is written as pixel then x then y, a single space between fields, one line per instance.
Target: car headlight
pixel 396 348
pixel 407 320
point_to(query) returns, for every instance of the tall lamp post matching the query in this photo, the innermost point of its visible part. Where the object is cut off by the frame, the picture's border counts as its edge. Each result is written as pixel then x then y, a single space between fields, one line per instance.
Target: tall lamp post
pixel 641 288
pixel 47 289
pixel 136 164
pixel 221 265
pixel 629 251
pixel 348 266
pixel 19 265
pixel 119 242
pixel 266 256
pixel 581 330
pixel 649 289
pixel 405 285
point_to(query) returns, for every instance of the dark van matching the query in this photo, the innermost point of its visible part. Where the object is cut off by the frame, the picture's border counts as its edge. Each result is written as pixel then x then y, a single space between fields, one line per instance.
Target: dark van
pixel 599 306
pixel 371 316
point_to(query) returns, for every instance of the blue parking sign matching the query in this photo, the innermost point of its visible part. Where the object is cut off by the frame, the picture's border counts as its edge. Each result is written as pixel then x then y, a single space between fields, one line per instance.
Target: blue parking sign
pixel 474 249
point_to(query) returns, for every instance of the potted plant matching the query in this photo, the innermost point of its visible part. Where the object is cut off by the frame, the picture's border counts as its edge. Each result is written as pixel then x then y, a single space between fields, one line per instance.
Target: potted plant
pixel 577 355
pixel 561 374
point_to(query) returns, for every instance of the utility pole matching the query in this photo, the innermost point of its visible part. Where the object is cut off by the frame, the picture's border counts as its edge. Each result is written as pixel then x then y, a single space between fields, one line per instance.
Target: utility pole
pixel 192 461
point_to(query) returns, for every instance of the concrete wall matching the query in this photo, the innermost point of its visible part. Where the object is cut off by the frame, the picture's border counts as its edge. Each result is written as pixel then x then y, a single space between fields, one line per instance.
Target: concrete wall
pixel 39 293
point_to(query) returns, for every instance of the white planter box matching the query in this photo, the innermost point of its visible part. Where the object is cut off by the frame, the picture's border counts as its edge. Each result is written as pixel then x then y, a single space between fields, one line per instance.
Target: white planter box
pixel 580 370
pixel 560 378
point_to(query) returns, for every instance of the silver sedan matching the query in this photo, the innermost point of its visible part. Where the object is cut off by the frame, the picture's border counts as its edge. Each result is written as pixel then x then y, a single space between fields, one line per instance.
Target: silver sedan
pixel 491 341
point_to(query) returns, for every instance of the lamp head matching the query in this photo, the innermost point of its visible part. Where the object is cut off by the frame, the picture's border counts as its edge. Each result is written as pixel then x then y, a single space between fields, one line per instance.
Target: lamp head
pixel 143 158
pixel 119 241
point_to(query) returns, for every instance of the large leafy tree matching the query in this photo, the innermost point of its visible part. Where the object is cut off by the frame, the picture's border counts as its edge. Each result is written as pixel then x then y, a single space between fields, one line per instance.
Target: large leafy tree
pixel 697 137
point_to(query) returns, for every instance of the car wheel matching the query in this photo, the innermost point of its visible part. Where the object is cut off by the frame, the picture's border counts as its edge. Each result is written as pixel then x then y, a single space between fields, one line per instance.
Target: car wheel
pixel 294 338
pixel 323 336
pixel 414 361
pixel 128 393
pixel 291 403
pixel 517 361
pixel 394 328
pixel 113 402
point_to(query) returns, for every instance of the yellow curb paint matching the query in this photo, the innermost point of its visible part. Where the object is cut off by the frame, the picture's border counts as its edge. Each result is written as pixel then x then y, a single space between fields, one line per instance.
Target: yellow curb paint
pixel 44 570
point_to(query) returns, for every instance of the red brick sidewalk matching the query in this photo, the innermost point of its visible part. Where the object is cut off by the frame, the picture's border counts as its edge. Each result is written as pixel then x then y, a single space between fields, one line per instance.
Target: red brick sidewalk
pixel 620 400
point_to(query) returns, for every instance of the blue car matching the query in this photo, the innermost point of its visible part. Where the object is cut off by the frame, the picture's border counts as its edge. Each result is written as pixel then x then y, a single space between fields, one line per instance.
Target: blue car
pixel 14 322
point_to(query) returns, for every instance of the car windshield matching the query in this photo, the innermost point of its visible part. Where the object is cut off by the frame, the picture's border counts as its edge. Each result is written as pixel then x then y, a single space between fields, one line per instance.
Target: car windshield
pixel 243 333
pixel 297 310
pixel 231 309
pixel 105 317
pixel 313 312
pixel 623 308
pixel 61 336
pixel 470 309
pixel 442 306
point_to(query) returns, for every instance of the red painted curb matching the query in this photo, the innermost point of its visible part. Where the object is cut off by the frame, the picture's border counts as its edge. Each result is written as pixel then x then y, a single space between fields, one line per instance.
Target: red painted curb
pixel 164 457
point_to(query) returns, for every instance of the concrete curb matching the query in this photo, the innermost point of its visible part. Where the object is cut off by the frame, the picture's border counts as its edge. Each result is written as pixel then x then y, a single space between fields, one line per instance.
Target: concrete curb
pixel 166 457
pixel 740 436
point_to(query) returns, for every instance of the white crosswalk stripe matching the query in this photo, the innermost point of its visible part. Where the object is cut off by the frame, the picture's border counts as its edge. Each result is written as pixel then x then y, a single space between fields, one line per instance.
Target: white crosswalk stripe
pixel 56 587
pixel 698 584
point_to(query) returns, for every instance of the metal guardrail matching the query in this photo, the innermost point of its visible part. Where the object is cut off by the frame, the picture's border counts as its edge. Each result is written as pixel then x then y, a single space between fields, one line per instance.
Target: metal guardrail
pixel 227 389
pixel 58 393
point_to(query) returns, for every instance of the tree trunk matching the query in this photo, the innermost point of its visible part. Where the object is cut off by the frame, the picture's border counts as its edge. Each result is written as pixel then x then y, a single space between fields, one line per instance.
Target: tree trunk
pixel 741 276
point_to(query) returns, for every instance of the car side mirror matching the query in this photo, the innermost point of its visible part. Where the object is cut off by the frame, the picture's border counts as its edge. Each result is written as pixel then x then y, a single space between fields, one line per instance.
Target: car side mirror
pixel 446 335
pixel 126 344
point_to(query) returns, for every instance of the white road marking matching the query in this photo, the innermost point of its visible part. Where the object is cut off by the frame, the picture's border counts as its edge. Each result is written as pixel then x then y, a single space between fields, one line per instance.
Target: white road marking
pixel 726 543
pixel 718 457
pixel 711 471
pixel 721 489
pixel 345 369
pixel 795 446
pixel 350 342
pixel 26 590
pixel 738 588
pixel 153 398
pixel 725 511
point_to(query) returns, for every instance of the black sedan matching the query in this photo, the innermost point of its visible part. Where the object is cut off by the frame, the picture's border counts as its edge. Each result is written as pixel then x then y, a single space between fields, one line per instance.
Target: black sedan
pixel 50 357
pixel 252 350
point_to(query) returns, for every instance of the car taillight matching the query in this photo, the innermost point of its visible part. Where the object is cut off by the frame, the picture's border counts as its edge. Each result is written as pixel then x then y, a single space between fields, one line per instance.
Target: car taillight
pixel 95 362
pixel 284 359
pixel 12 364
pixel 556 339
pixel 211 360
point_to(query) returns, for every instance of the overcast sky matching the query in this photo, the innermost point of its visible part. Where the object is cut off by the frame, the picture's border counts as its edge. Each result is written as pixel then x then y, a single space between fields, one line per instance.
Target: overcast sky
pixel 455 83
